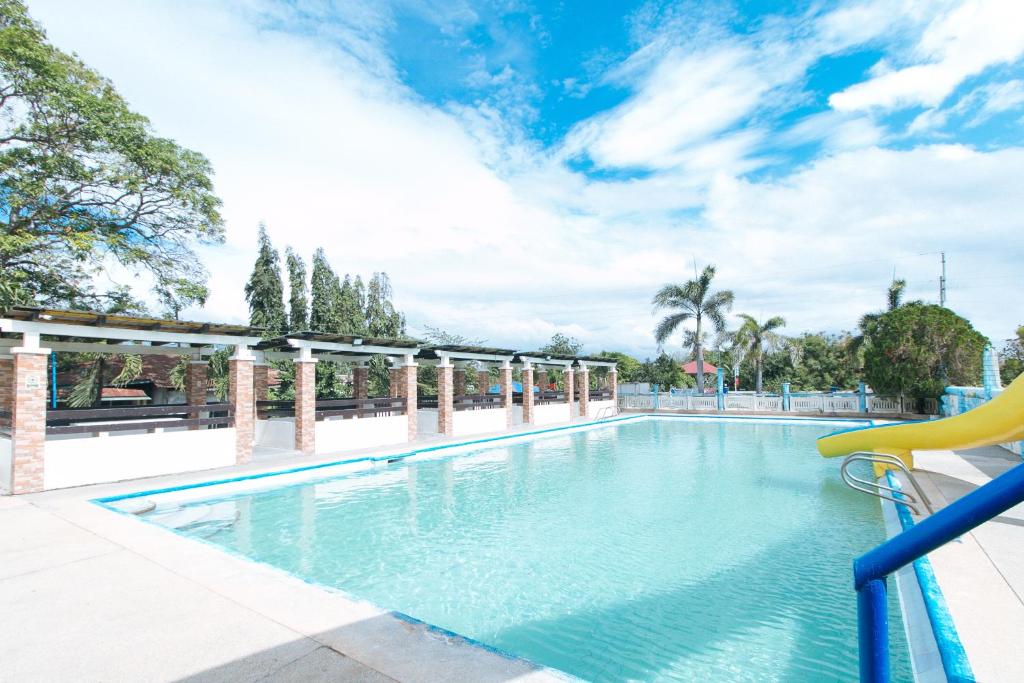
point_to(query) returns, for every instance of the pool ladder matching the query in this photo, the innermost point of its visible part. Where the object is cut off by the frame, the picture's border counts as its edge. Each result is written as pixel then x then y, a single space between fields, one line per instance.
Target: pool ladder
pixel 606 412
pixel 882 491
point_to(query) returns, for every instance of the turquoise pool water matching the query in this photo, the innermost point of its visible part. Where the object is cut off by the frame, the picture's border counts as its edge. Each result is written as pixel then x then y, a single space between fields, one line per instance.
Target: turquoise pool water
pixel 654 549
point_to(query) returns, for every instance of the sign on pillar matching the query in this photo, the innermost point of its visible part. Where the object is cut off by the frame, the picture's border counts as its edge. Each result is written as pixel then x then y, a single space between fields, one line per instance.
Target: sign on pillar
pixel 28 415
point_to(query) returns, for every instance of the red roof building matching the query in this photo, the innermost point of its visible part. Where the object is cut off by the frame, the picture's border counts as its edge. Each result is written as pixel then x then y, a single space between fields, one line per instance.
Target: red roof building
pixel 691 368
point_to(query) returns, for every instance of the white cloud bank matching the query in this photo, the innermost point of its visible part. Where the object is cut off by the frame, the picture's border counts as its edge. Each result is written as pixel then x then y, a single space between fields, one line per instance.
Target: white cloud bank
pixel 483 234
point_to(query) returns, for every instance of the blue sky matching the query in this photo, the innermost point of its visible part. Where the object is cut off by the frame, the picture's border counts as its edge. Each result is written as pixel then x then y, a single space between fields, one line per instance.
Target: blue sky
pixel 523 168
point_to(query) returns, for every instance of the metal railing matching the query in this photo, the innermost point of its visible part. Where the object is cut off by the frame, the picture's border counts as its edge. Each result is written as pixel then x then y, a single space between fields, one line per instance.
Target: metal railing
pixel 546 397
pixel 104 420
pixel 345 408
pixel 478 401
pixel 871 569
pixel 874 488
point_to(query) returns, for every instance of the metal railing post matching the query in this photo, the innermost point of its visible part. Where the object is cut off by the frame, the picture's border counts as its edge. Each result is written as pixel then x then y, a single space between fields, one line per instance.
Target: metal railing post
pixel 873 632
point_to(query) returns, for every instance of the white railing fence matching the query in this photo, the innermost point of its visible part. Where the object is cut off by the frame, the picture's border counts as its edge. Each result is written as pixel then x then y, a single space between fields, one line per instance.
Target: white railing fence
pixel 821 403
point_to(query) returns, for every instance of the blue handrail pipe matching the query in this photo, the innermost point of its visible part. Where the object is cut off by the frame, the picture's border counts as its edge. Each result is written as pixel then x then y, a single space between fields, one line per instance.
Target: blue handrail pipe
pixel 871 569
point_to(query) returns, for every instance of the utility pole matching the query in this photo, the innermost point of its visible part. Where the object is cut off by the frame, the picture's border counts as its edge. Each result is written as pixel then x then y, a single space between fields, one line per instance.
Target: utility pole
pixel 942 281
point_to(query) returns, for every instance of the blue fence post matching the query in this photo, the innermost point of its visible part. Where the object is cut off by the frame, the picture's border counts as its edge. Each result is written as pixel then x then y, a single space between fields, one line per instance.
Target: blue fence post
pixel 655 388
pixel 720 389
pixel 862 397
pixel 785 396
pixel 873 632
pixel 990 372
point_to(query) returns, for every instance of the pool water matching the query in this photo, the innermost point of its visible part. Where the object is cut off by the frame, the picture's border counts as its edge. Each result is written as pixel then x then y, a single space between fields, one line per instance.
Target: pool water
pixel 651 549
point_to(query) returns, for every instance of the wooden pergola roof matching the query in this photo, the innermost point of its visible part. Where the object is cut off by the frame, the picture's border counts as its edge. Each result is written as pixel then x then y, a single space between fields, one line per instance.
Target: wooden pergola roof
pixel 53 316
pixel 326 339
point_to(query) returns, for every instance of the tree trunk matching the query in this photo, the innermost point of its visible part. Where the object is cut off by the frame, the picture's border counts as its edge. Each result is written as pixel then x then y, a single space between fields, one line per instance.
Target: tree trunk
pixel 760 371
pixel 700 359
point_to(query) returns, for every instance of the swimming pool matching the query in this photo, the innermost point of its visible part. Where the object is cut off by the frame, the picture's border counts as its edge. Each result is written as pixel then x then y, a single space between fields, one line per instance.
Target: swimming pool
pixel 647 549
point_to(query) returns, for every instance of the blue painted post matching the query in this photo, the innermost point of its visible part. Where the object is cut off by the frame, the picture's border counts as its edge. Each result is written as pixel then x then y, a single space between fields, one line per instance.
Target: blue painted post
pixel 990 372
pixel 862 397
pixel 656 389
pixel 785 396
pixel 53 380
pixel 720 389
pixel 873 632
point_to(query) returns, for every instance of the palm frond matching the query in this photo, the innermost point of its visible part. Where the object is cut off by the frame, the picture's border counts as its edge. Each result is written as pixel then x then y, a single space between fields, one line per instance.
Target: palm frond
pixel 131 368
pixel 669 324
pixel 88 389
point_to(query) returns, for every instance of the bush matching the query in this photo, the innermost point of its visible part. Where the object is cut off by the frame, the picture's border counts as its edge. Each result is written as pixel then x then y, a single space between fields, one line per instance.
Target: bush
pixel 918 349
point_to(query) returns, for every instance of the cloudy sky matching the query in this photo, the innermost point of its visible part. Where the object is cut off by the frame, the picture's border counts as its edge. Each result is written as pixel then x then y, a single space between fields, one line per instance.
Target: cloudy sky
pixel 521 168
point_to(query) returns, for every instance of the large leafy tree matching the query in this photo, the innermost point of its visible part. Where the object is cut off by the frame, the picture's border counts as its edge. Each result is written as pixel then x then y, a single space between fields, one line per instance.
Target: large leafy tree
pixel 918 349
pixel 693 300
pixel 265 291
pixel 298 305
pixel 85 184
pixel 821 361
pixel 759 338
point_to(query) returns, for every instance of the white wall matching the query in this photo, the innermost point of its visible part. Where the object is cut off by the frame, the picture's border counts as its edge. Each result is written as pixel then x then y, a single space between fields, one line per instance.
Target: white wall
pixel 426 421
pixel 479 421
pixel 91 460
pixel 517 415
pixel 551 413
pixel 594 407
pixel 278 433
pixel 5 464
pixel 345 435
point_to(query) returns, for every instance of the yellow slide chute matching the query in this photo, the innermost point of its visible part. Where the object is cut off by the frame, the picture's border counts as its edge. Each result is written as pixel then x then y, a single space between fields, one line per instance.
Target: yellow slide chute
pixel 1000 420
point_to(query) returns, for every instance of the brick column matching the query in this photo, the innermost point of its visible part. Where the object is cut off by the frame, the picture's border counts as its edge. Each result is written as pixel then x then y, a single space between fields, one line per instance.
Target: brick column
pixel 395 382
pixel 28 418
pixel 505 380
pixel 240 395
pixel 459 381
pixel 613 384
pixel 407 380
pixel 196 383
pixel 570 387
pixel 445 393
pixel 527 396
pixel 261 382
pixel 305 405
pixel 483 381
pixel 584 382
pixel 542 379
pixel 361 381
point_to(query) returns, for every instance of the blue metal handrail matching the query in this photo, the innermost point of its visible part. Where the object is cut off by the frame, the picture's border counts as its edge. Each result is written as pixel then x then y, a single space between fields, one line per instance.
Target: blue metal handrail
pixel 871 569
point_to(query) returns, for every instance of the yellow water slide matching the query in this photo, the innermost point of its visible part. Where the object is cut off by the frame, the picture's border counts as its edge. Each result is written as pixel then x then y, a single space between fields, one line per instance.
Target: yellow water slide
pixel 1000 420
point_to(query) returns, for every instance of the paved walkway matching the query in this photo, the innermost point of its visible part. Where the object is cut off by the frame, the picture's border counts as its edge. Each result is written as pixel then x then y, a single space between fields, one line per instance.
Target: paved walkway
pixel 982 574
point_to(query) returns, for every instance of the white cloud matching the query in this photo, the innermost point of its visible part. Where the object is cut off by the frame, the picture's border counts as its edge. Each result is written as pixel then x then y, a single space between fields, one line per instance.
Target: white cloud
pixel 957 44
pixel 485 233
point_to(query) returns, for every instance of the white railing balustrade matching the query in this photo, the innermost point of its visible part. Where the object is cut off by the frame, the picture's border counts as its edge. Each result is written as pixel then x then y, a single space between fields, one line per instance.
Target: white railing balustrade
pixel 885 404
pixel 798 403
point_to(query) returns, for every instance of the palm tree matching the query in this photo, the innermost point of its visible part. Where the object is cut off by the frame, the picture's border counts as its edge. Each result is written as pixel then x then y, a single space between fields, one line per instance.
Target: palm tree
pixel 759 338
pixel 869 321
pixel 695 301
pixel 88 390
pixel 896 294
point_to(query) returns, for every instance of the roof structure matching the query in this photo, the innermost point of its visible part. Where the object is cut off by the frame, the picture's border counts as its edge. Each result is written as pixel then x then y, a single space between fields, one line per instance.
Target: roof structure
pixel 440 352
pixel 690 368
pixel 126 322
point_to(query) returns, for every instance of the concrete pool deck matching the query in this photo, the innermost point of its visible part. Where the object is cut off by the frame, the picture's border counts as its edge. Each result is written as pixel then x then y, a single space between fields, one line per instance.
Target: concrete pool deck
pixel 90 594
pixel 982 573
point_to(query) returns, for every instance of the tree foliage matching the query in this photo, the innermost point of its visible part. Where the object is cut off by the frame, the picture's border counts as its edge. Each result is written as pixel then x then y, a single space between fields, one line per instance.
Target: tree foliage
pixel 85 184
pixel 693 300
pixel 918 349
pixel 757 339
pixel 562 345
pixel 1012 357
pixel 298 304
pixel 265 291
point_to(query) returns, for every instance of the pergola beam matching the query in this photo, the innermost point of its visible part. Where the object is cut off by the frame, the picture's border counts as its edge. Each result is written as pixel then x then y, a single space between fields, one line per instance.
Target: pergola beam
pixel 124 334
pixel 359 349
pixel 132 349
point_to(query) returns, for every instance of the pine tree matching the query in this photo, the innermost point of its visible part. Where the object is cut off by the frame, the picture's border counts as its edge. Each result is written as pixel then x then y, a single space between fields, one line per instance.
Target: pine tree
pixel 297 305
pixel 265 291
pixel 324 293
pixel 382 320
pixel 350 313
